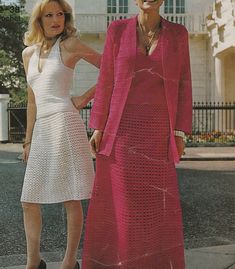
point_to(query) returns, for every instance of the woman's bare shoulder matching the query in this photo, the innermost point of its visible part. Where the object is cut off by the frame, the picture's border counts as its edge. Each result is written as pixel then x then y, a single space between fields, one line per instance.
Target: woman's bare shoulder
pixel 28 52
pixel 71 44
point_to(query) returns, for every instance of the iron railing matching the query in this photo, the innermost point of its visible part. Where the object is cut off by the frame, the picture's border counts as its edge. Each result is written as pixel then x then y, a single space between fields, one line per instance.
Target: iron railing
pixel 85 114
pixel 213 123
pixel 17 121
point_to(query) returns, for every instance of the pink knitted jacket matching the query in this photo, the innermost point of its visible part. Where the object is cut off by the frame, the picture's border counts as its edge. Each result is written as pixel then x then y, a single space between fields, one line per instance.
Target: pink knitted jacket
pixel 117 71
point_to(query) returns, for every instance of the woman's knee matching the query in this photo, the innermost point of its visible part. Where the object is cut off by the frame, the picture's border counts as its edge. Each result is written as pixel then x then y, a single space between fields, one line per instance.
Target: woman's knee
pixel 30 206
pixel 72 204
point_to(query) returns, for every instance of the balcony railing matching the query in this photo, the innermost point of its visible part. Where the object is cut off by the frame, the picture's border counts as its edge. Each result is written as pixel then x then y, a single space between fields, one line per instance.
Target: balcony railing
pixel 98 23
pixel 193 23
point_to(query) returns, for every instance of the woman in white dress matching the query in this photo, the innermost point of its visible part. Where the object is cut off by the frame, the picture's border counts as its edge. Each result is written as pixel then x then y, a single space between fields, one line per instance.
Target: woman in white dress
pixel 59 164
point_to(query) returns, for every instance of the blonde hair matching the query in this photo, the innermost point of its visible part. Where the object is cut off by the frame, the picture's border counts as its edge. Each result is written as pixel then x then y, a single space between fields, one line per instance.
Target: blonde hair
pixel 35 31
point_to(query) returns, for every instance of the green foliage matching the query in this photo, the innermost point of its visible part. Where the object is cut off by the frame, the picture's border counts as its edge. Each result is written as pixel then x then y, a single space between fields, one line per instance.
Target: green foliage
pixel 13 23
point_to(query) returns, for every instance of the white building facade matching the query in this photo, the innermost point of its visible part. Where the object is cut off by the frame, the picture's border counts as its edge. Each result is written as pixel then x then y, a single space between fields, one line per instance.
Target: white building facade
pixel 93 16
pixel 221 26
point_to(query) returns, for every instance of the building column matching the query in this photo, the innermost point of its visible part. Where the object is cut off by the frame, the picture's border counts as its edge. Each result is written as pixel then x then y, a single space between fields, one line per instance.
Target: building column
pixel 219 79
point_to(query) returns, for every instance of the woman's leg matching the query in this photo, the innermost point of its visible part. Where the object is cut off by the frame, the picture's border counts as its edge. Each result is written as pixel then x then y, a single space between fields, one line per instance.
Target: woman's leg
pixel 74 229
pixel 33 227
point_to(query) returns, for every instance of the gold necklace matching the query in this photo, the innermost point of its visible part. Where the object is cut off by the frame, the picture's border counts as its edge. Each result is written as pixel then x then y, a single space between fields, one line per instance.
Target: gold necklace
pixel 149 40
pixel 47 44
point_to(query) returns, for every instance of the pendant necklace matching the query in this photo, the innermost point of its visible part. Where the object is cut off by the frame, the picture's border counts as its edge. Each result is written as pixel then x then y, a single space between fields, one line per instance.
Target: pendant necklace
pixel 149 40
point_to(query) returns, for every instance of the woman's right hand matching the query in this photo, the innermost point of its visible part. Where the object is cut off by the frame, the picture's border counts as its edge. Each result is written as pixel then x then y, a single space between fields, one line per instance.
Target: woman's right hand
pixel 25 154
pixel 95 141
pixel 79 101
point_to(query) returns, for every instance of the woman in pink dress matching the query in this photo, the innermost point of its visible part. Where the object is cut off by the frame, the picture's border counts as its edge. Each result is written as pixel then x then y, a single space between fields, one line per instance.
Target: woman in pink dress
pixel 141 112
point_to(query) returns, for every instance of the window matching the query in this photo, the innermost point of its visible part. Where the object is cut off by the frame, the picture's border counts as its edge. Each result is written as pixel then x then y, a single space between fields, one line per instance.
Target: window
pixel 117 6
pixel 180 6
pixel 174 7
pixel 123 6
pixel 169 6
pixel 112 6
pixel 116 9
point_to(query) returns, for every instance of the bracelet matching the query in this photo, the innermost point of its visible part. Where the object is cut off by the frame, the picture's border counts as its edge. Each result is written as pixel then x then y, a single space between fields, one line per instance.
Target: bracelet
pixel 26 143
pixel 179 133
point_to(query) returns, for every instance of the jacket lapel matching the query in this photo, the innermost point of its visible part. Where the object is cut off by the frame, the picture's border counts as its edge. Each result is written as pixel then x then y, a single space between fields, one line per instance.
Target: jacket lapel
pixel 127 51
pixel 125 66
pixel 170 52
pixel 125 63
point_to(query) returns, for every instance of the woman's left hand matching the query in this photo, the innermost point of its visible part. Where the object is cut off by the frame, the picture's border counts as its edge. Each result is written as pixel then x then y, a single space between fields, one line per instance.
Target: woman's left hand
pixel 79 101
pixel 180 145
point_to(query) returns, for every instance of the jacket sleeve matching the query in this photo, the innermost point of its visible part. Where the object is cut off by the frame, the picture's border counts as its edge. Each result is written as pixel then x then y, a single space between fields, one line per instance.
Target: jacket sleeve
pixel 184 107
pixel 104 87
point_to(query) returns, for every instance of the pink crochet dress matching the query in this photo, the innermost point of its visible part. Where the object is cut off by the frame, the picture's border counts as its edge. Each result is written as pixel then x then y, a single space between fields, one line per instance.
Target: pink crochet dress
pixel 134 219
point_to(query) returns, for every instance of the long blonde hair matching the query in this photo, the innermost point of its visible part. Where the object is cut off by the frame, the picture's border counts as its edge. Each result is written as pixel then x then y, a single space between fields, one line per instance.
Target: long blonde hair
pixel 35 31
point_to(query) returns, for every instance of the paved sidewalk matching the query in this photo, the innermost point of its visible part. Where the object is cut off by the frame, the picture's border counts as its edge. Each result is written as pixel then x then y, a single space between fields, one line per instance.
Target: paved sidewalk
pixel 50 265
pixel 209 153
pixel 192 153
pixel 218 257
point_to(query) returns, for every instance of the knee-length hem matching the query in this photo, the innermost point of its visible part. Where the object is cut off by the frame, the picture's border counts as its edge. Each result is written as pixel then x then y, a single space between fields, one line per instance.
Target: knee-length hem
pixel 60 166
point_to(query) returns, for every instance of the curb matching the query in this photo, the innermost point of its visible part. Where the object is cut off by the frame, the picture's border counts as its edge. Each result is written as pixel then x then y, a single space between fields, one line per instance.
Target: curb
pixel 219 158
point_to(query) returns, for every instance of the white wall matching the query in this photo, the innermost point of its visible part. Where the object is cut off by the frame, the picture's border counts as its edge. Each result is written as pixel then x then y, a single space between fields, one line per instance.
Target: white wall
pixel 198 6
pixel 200 67
pixel 30 3
pixel 133 9
pixel 229 78
pixel 91 6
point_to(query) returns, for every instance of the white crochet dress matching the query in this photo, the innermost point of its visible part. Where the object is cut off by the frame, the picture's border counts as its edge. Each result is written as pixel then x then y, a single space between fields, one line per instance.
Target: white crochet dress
pixel 60 166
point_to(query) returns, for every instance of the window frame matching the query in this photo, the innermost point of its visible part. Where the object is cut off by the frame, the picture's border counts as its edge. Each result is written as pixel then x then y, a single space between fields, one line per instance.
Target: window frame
pixel 117 6
pixel 174 7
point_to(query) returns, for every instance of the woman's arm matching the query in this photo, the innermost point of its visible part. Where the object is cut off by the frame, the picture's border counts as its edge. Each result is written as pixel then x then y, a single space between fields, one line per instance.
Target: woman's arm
pixel 184 108
pixel 104 88
pixel 180 142
pixel 78 50
pixel 31 108
pixel 81 101
pixel 31 115
pixel 88 54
